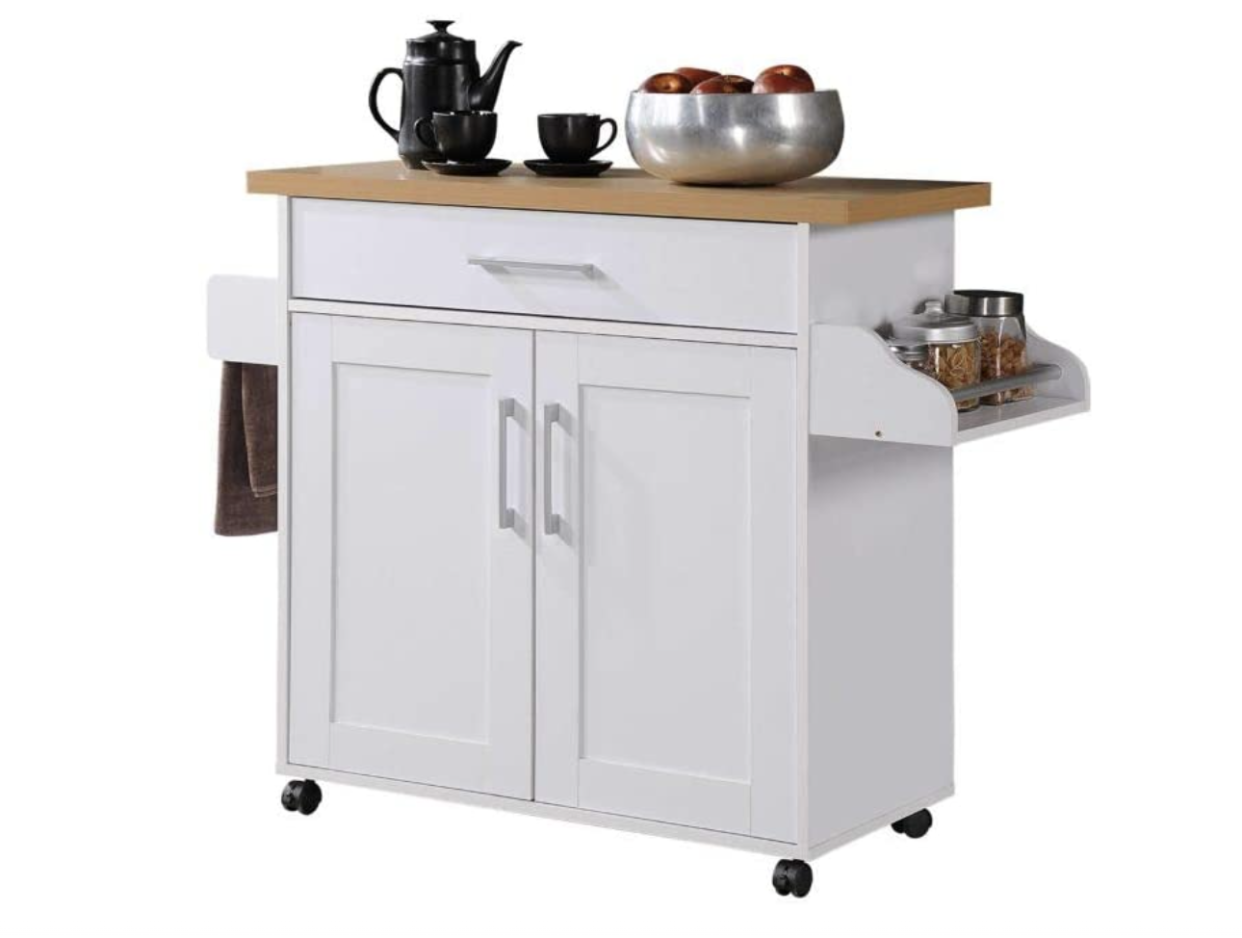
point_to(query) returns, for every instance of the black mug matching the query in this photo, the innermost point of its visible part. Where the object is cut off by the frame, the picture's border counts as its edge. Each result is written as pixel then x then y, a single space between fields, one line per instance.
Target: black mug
pixel 459 136
pixel 573 138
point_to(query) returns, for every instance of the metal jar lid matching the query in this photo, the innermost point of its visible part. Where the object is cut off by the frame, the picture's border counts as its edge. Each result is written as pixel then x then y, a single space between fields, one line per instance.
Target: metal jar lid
pixel 910 351
pixel 935 326
pixel 984 303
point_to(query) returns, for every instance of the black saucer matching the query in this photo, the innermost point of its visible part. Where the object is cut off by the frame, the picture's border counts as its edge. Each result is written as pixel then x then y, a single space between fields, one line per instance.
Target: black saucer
pixel 551 168
pixel 491 167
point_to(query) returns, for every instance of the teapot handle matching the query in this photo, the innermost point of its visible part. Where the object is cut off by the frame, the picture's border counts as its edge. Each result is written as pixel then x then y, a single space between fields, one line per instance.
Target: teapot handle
pixel 375 85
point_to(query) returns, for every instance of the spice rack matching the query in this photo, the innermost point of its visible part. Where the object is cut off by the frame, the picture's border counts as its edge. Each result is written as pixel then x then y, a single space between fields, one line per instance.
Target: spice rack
pixel 861 391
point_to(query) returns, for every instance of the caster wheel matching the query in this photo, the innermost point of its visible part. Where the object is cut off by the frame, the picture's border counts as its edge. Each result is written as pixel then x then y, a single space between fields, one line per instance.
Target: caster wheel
pixel 914 826
pixel 303 797
pixel 792 876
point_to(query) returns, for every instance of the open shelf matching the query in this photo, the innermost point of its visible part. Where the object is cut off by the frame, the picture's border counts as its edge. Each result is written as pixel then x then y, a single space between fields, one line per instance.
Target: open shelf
pixel 859 390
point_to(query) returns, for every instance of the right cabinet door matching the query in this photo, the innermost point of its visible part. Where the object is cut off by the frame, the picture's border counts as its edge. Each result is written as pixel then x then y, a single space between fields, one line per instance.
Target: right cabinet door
pixel 665 581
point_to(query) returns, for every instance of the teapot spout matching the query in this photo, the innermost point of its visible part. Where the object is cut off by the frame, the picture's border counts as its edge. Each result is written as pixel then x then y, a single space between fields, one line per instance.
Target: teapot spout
pixel 485 88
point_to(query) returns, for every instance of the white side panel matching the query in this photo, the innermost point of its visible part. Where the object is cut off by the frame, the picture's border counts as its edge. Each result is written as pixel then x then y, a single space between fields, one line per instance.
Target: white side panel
pixel 867 275
pixel 881 630
pixel 411 632
pixel 859 390
pixel 726 275
pixel 1074 382
pixel 245 320
pixel 666 599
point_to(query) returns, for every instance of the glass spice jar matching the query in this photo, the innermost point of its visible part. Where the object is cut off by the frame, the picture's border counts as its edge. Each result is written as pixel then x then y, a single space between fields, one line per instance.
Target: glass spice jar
pixel 1002 331
pixel 911 351
pixel 953 347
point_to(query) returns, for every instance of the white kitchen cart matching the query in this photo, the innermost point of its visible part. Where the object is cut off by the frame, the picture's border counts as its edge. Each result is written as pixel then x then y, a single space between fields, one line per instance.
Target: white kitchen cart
pixel 602 500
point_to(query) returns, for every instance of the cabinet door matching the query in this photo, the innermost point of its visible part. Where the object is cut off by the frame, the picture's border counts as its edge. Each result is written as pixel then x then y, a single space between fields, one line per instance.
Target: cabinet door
pixel 411 563
pixel 665 581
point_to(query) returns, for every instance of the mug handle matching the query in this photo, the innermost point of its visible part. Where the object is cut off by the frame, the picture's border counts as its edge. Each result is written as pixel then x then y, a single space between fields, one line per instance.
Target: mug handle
pixel 612 136
pixel 418 132
pixel 375 85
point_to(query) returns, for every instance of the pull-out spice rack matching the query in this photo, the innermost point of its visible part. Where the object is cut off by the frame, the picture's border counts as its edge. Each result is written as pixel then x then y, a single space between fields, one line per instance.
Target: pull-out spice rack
pixel 860 390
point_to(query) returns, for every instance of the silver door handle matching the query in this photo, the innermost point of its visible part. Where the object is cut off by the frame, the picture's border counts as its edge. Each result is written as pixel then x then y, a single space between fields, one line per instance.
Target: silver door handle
pixel 551 520
pixel 508 263
pixel 508 407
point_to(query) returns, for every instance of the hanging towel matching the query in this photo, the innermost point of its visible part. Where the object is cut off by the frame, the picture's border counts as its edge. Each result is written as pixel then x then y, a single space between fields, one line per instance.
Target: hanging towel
pixel 246 471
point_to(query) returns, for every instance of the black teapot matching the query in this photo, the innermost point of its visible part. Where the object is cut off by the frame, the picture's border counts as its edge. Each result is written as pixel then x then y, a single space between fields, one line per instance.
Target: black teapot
pixel 440 73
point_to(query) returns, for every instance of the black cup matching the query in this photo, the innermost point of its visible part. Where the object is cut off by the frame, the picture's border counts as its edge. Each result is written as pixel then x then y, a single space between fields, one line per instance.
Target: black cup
pixel 573 138
pixel 460 136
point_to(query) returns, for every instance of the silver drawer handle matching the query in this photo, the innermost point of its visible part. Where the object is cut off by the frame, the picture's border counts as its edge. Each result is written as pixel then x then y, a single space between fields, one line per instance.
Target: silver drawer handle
pixel 508 263
pixel 508 408
pixel 551 520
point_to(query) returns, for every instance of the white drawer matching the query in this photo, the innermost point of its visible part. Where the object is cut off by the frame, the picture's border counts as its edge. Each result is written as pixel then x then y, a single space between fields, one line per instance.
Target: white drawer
pixel 726 275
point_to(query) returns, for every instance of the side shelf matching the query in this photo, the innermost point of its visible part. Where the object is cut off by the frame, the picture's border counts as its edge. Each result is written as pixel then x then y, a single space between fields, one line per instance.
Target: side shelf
pixel 860 391
pixel 242 322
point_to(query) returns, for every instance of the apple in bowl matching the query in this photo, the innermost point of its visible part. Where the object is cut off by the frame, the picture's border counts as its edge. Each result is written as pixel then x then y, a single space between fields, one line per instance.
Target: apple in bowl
pixel 667 83
pixel 724 84
pixel 696 75
pixel 784 79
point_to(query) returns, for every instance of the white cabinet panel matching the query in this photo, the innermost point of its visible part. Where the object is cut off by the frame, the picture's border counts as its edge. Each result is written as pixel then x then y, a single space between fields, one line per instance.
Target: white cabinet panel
pixel 412 540
pixel 411 603
pixel 666 608
pixel 676 271
pixel 664 579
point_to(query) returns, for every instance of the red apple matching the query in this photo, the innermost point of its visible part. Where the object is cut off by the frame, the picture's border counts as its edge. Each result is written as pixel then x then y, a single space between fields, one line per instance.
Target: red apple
pixel 697 75
pixel 724 84
pixel 781 84
pixel 792 71
pixel 784 79
pixel 667 83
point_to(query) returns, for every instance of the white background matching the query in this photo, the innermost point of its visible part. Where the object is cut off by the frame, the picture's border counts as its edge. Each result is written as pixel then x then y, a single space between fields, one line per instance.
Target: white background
pixel 1098 629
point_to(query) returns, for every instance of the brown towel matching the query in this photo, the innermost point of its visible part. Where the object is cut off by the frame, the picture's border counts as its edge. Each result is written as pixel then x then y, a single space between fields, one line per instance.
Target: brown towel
pixel 246 474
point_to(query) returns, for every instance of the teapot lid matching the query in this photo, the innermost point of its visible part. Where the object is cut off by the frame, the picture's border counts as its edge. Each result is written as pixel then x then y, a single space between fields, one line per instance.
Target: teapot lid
pixel 442 44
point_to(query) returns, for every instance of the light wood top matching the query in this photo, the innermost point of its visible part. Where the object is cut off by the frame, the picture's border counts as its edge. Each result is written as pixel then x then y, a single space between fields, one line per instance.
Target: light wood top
pixel 820 200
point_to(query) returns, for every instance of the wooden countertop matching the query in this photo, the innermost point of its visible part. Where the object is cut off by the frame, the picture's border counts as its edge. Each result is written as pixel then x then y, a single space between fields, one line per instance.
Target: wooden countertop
pixel 820 200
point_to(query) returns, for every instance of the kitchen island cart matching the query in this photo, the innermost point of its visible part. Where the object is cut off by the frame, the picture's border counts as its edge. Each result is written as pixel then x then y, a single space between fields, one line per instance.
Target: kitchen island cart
pixel 604 500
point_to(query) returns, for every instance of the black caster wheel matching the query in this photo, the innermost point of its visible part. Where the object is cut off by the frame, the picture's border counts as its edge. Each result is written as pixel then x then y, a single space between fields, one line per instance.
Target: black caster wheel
pixel 303 797
pixel 914 826
pixel 792 876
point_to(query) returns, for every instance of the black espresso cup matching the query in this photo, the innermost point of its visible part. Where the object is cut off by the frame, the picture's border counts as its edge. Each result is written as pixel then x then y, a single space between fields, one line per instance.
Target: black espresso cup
pixel 573 138
pixel 460 136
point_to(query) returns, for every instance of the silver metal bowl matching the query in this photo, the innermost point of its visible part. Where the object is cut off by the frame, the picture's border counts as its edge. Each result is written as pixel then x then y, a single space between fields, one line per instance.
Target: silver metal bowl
pixel 734 139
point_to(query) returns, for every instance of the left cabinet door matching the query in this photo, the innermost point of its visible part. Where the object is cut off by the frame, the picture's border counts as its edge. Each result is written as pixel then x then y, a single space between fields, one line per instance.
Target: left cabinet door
pixel 410 646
